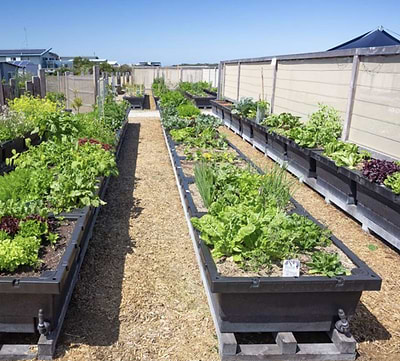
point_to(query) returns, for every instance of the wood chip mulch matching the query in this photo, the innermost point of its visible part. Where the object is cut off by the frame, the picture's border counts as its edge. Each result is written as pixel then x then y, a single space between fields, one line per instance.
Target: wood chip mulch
pixel 140 295
pixel 376 325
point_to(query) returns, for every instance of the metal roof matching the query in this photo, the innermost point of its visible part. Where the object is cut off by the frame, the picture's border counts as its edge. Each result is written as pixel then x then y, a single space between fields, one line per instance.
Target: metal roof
pixel 25 52
pixel 374 38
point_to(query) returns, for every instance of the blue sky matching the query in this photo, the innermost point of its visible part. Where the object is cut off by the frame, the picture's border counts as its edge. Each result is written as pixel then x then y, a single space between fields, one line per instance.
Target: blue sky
pixel 190 31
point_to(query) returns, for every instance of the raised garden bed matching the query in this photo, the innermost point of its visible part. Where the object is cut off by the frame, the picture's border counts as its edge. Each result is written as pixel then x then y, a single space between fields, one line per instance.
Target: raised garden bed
pixel 214 94
pixel 247 130
pixel 277 145
pixel 136 102
pixel 36 301
pixel 222 109
pixel 202 102
pixel 330 177
pixel 277 304
pixel 236 124
pixel 301 159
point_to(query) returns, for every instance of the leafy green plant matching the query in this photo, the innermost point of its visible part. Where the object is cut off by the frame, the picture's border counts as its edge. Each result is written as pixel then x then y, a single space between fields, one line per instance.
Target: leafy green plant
pixel 187 111
pixel 345 154
pixel 323 127
pixel 326 264
pixel 77 104
pixel 393 182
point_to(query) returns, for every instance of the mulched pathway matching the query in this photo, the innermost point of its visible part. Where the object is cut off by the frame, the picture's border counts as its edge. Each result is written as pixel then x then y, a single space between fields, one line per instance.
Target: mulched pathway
pixel 140 295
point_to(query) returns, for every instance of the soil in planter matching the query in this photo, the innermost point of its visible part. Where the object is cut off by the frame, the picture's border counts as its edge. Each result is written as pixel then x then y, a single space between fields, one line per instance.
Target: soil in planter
pixel 49 255
pixel 198 201
pixel 228 268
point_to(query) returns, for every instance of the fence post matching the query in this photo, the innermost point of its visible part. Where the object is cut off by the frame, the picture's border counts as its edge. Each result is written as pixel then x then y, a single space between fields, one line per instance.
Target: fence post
pixel 352 93
pixel 66 89
pixel 13 87
pixel 238 82
pixel 42 79
pixel 29 87
pixel 2 99
pixel 219 85
pixel 36 86
pixel 58 82
pixel 96 76
pixel 274 64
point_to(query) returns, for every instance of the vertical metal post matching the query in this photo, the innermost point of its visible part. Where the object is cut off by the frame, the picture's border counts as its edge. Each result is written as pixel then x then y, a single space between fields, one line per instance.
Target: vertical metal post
pixel 274 64
pixel 58 82
pixel 352 93
pixel 66 74
pixel 238 82
pixel 96 76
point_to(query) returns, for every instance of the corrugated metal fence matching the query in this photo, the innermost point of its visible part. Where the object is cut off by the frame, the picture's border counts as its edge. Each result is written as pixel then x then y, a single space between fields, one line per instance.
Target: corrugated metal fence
pixel 363 84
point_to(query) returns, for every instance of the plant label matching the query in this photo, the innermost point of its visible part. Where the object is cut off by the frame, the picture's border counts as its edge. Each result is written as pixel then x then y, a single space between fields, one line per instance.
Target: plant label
pixel 291 268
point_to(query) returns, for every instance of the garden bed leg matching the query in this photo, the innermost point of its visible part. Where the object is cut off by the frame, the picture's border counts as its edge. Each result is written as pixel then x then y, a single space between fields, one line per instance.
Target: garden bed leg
pixel 286 342
pixel 343 343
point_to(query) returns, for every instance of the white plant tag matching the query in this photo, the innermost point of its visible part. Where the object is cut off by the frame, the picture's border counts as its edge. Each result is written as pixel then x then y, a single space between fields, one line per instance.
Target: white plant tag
pixel 291 268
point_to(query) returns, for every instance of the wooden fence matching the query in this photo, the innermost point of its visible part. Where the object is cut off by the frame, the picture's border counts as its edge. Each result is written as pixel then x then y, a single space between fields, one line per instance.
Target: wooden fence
pixel 363 84
pixel 36 87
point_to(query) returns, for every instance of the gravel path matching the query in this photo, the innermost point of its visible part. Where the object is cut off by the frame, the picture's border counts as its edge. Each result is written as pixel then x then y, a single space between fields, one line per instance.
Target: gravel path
pixel 376 325
pixel 140 295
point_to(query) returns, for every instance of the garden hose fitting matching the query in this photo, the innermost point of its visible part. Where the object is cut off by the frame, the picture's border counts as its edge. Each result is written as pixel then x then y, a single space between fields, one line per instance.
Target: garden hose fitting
pixel 43 327
pixel 342 325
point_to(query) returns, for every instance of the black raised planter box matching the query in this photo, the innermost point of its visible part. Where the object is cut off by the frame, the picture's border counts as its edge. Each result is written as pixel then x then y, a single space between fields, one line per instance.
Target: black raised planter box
pixel 236 124
pixel 332 179
pixel 22 298
pixel 247 129
pixel 277 144
pixel 135 102
pixel 376 202
pixel 201 102
pixel 214 94
pixel 222 109
pixel 301 159
pixel 260 137
pixel 278 304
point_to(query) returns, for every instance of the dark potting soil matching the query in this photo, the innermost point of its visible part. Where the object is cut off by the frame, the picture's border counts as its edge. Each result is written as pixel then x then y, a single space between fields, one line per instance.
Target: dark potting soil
pixel 49 254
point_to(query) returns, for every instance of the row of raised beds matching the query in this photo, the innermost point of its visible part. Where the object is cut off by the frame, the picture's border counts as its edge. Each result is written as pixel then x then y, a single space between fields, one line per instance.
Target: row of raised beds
pixel 268 266
pixel 201 93
pixel 48 205
pixel 367 188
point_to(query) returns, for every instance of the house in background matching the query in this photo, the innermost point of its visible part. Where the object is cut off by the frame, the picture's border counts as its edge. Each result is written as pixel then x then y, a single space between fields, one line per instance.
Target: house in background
pixel 42 58
pixel 7 71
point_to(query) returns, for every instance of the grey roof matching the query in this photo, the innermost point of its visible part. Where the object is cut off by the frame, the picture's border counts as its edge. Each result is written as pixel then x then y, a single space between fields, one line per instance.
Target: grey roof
pixel 9 63
pixel 38 52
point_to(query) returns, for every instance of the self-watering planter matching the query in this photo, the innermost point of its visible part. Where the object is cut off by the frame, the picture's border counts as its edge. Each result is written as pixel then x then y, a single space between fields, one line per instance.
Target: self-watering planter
pixel 301 159
pixel 260 137
pixel 214 94
pixel 135 102
pixel 378 204
pixel 202 102
pixel 17 144
pixel 335 182
pixel 277 147
pixel 247 130
pixel 22 298
pixel 222 109
pixel 277 304
pixel 236 124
